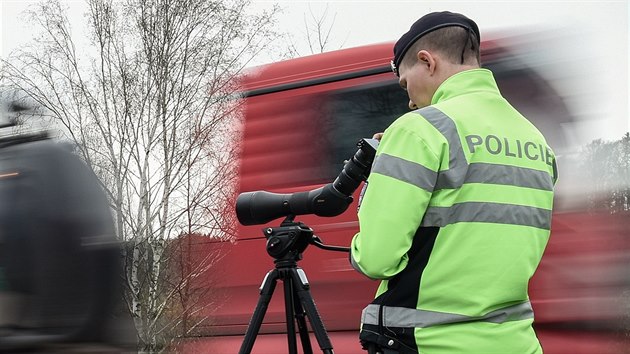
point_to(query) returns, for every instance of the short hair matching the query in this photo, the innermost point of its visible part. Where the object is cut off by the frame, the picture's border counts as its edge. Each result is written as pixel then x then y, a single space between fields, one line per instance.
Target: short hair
pixel 458 45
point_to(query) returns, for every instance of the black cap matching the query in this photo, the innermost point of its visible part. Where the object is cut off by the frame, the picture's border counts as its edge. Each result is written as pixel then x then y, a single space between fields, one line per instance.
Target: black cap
pixel 429 23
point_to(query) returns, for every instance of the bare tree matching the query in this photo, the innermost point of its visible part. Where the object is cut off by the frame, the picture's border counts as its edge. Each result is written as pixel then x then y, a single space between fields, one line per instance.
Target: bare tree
pixel 609 190
pixel 317 35
pixel 150 105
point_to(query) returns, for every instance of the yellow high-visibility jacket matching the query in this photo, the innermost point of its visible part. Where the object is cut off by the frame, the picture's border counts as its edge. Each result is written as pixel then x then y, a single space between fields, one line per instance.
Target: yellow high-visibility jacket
pixel 454 221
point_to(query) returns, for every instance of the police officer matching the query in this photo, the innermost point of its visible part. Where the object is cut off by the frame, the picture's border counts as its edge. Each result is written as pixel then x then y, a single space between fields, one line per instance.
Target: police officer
pixel 458 209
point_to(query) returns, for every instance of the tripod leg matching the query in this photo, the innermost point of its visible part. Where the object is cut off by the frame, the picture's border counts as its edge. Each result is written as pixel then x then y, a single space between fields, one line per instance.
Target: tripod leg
pixel 290 317
pixel 302 289
pixel 300 317
pixel 266 291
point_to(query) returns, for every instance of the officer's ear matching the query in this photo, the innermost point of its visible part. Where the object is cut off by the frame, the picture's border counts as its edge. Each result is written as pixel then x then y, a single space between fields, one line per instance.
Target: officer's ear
pixel 427 59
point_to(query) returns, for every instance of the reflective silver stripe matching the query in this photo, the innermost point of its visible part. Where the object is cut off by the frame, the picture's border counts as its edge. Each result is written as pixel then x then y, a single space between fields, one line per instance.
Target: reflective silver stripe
pixel 497 213
pixel 457 164
pixel 404 170
pixel 509 175
pixel 406 317
pixel 461 172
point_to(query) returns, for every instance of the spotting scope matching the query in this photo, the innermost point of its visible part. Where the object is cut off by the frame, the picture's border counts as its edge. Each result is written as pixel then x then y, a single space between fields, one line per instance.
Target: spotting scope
pixel 260 207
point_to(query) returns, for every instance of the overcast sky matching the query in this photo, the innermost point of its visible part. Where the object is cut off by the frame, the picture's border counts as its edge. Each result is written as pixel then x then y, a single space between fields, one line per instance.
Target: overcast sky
pixel 598 49
pixel 371 21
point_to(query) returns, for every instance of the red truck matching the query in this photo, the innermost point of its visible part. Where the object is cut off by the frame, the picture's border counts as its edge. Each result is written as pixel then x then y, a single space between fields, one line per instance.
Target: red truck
pixel 303 118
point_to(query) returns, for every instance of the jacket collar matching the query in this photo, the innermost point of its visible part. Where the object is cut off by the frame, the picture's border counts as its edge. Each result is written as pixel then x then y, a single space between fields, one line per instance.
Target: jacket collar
pixel 475 80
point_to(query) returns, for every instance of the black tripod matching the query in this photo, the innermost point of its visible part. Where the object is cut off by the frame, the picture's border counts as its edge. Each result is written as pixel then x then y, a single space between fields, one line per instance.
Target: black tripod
pixel 286 245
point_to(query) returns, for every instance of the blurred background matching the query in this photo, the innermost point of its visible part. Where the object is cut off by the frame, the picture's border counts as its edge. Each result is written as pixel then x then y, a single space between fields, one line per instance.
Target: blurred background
pixel 165 147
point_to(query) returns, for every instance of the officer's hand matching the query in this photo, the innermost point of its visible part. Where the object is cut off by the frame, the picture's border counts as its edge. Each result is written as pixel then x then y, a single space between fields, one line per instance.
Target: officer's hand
pixel 378 136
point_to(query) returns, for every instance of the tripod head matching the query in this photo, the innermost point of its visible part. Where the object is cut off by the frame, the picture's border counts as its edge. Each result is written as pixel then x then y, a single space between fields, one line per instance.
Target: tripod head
pixel 288 241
